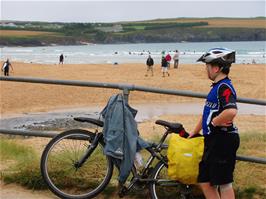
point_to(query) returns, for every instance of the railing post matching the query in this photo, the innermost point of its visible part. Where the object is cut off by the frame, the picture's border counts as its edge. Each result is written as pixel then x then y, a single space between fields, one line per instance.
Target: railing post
pixel 126 92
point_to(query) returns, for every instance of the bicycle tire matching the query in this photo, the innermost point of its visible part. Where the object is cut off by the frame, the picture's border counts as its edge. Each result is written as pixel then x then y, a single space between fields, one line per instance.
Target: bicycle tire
pixel 61 186
pixel 166 188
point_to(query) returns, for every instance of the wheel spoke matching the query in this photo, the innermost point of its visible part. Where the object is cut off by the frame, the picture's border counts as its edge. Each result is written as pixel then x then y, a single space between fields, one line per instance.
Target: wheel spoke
pixel 164 187
pixel 61 175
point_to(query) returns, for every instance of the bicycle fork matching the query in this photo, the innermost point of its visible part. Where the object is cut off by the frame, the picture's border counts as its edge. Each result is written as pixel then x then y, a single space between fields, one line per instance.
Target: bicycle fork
pixel 89 151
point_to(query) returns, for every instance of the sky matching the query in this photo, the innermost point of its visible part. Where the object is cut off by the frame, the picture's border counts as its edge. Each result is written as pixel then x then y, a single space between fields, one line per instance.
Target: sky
pixel 115 11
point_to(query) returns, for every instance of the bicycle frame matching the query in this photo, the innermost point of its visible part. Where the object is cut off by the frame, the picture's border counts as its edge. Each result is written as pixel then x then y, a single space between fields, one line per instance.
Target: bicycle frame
pixel 143 176
pixel 89 151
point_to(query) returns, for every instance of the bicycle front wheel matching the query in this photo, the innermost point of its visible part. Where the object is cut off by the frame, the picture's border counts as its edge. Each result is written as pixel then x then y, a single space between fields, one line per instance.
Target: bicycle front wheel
pixel 162 187
pixel 63 177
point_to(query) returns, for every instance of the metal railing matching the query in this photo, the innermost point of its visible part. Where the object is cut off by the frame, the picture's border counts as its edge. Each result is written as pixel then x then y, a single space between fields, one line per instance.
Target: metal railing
pixel 126 88
pixel 51 135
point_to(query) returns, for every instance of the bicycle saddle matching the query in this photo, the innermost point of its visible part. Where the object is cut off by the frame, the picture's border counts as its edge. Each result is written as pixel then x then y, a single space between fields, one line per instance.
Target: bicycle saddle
pixel 89 120
pixel 173 127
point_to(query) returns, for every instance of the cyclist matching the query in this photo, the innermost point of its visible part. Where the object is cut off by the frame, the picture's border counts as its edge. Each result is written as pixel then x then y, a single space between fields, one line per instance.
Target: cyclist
pixel 221 139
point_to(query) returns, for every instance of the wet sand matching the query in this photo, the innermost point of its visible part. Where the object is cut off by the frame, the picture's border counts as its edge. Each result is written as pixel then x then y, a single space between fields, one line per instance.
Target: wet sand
pixel 63 119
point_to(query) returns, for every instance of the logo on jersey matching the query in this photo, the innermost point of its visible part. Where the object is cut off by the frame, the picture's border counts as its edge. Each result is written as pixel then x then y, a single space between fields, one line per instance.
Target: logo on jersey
pixel 227 92
pixel 210 104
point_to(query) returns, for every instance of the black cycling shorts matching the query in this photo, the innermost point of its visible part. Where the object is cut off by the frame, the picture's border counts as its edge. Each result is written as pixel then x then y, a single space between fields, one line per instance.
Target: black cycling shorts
pixel 219 157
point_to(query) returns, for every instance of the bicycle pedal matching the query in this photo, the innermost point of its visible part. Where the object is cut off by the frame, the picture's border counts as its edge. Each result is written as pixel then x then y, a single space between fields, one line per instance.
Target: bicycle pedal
pixel 122 191
pixel 139 186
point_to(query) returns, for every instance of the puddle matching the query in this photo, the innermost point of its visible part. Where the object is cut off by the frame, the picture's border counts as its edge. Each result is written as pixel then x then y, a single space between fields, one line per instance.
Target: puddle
pixel 63 119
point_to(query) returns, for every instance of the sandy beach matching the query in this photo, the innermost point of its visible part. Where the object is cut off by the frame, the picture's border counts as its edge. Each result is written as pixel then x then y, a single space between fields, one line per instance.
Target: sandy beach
pixel 16 98
pixel 22 98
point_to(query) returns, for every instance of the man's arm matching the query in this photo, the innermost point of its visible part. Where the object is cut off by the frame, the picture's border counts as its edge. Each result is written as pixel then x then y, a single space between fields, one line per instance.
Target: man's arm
pixel 197 128
pixel 225 118
pixel 11 67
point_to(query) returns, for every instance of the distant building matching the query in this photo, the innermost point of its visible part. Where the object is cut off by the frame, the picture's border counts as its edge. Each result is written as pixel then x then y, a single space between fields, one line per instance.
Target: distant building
pixel 114 28
pixel 3 24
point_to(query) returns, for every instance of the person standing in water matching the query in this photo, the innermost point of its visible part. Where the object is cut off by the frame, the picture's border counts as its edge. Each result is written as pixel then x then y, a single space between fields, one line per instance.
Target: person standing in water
pixel 176 59
pixel 61 59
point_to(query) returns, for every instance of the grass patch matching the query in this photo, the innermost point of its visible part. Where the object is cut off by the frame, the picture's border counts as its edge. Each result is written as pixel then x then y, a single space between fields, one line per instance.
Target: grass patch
pixel 24 164
pixel 250 177
pixel 10 150
pixel 24 170
pixel 253 144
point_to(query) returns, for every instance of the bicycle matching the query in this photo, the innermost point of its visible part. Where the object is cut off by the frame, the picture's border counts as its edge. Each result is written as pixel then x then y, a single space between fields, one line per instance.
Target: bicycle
pixel 74 167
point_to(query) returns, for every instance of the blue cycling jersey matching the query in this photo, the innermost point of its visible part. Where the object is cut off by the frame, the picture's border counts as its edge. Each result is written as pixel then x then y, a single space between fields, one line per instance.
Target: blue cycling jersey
pixel 222 96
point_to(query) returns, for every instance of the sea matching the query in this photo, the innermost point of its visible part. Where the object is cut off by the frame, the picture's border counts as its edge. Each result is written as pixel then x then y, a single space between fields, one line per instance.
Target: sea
pixel 247 52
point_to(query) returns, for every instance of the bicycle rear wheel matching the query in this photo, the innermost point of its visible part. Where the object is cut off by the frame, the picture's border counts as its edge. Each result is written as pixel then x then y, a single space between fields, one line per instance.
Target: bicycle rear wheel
pixel 59 170
pixel 163 187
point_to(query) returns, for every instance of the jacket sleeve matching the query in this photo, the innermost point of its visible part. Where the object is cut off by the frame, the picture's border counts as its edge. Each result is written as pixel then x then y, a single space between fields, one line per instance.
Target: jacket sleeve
pixel 227 97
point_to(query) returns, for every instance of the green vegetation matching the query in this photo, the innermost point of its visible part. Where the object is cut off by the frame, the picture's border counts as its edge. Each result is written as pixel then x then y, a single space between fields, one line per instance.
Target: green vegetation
pixel 10 150
pixel 22 167
pixel 158 26
pixel 161 30
pixel 250 177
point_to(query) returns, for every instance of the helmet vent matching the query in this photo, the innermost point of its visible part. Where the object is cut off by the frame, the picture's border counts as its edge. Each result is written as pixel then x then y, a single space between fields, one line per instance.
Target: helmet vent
pixel 216 52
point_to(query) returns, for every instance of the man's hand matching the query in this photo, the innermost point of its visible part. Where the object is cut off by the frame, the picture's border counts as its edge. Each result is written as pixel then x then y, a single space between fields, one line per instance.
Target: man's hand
pixel 191 135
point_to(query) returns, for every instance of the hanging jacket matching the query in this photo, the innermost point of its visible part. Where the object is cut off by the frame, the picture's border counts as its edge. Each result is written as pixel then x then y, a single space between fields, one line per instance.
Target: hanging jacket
pixel 121 134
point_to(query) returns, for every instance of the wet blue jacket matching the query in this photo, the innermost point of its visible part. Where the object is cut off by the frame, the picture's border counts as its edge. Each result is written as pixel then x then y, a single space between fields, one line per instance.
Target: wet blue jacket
pixel 121 134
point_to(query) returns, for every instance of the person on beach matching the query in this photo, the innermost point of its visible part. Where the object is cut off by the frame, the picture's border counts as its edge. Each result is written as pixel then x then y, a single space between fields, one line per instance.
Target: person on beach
pixel 168 59
pixel 6 66
pixel 164 67
pixel 176 59
pixel 149 64
pixel 61 59
pixel 221 139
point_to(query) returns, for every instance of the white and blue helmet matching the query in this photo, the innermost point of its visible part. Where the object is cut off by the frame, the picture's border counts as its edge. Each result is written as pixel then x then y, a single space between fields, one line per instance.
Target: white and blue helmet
pixel 221 55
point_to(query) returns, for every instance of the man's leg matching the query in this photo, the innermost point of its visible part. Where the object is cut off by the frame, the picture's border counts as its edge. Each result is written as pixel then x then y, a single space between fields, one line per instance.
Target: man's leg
pixel 167 72
pixel 147 71
pixel 175 64
pixel 227 191
pixel 210 192
pixel 6 72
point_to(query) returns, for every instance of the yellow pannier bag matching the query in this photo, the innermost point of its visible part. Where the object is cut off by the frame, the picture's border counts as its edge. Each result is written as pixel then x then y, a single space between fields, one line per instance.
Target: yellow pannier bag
pixel 184 156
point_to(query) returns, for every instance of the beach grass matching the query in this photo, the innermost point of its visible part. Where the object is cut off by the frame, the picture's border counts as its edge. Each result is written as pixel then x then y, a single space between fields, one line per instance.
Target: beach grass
pixel 22 167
